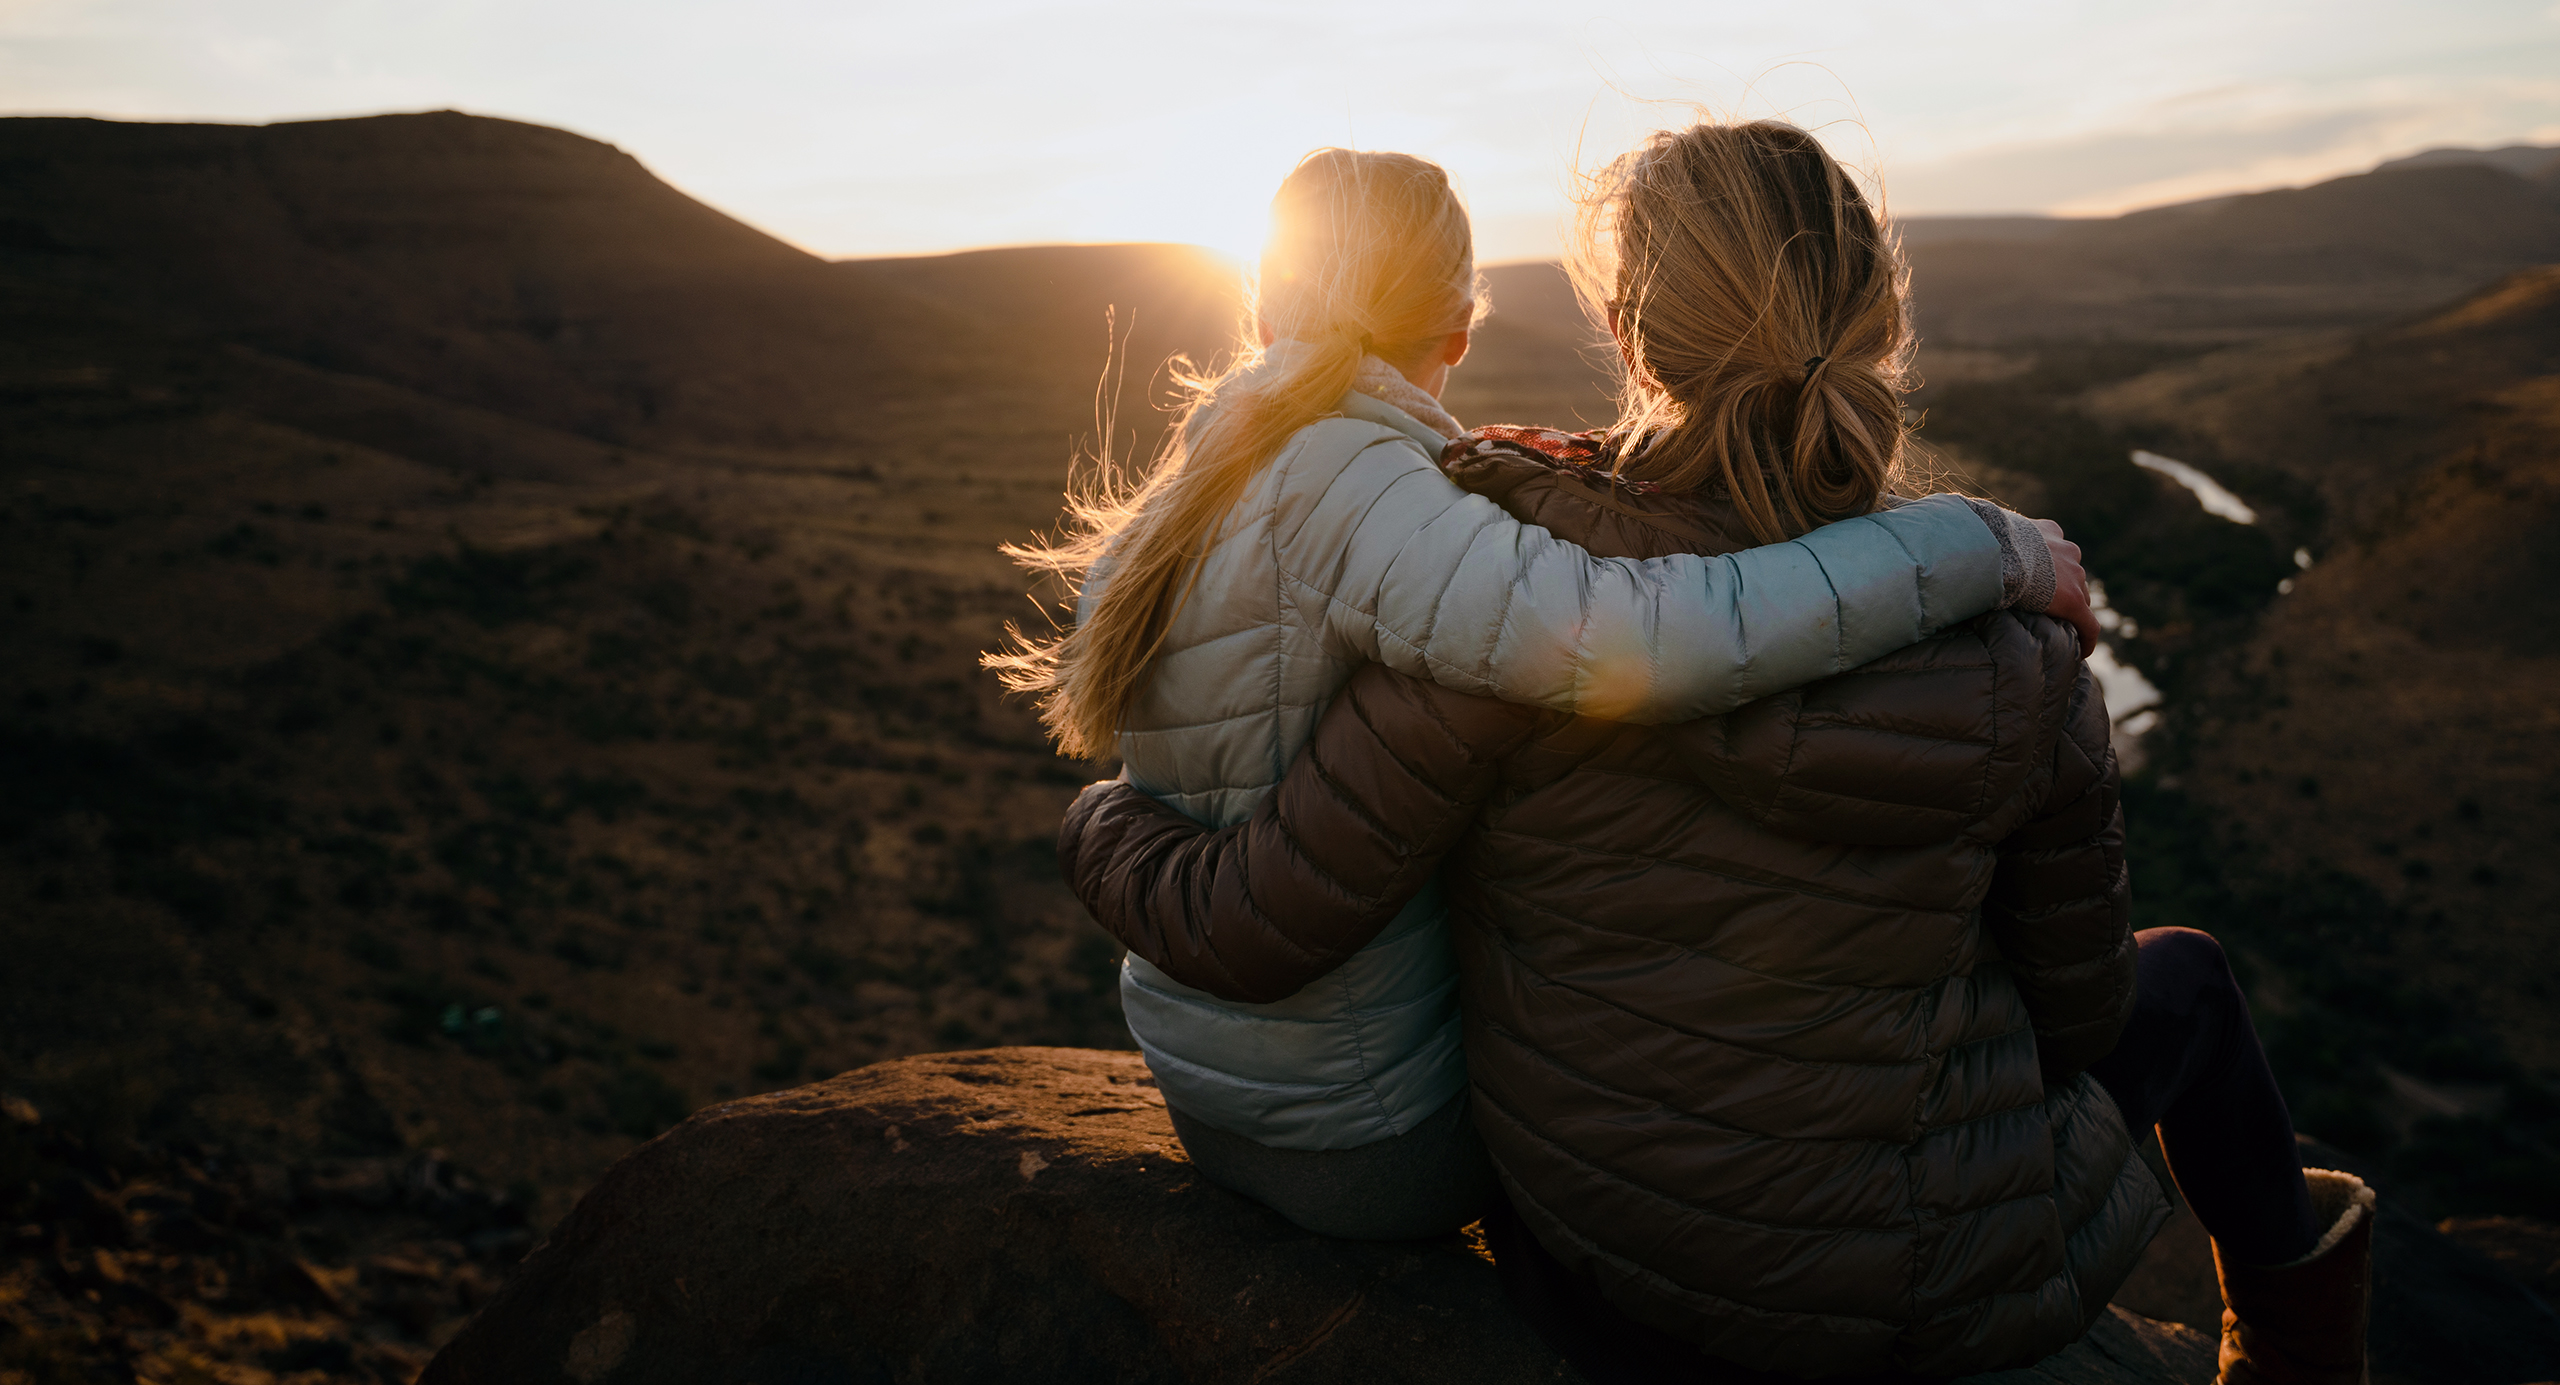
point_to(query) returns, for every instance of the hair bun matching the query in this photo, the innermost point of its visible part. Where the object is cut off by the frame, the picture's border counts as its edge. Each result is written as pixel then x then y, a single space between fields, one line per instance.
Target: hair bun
pixel 1721 256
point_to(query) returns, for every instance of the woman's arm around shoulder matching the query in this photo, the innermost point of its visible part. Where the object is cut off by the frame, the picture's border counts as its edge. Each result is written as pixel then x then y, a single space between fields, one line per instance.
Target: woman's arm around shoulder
pixel 1415 573
pixel 1393 778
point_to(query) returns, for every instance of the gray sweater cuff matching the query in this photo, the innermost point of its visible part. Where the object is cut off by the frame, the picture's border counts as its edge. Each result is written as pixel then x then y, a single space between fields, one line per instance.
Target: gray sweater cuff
pixel 2026 565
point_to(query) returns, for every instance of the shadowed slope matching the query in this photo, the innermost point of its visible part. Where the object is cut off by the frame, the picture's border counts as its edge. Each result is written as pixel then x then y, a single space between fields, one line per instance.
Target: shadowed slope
pixel 2393 716
pixel 2349 251
pixel 505 267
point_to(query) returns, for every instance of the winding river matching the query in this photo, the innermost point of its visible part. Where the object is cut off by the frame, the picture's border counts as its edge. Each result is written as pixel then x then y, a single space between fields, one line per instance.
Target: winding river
pixel 2133 701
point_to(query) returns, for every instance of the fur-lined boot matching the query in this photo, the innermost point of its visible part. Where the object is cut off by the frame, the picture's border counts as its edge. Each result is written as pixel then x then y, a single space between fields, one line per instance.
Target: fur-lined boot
pixel 2304 1323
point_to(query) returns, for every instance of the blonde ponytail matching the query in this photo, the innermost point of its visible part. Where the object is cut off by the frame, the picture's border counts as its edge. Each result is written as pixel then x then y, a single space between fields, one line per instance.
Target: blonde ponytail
pixel 1370 254
pixel 1761 313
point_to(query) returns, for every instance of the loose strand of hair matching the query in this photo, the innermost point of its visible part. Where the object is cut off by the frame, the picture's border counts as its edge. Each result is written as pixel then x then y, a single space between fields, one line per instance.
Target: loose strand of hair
pixel 1379 228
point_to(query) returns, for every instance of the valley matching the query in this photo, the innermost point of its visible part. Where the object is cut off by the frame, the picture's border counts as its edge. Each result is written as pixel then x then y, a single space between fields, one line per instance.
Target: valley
pixel 493 669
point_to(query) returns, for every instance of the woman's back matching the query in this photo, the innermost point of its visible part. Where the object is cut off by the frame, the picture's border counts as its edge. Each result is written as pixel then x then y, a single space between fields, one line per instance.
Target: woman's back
pixel 1752 1003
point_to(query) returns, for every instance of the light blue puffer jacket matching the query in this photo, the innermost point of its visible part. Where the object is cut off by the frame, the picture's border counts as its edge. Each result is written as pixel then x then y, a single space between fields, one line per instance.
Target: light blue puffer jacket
pixel 1352 547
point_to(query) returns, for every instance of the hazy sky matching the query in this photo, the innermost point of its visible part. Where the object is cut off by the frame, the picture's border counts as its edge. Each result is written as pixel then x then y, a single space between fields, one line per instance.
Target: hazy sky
pixel 870 128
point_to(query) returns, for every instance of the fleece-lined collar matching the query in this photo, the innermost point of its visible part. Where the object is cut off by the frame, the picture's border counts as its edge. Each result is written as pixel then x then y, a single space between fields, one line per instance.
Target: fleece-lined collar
pixel 1380 382
pixel 1387 385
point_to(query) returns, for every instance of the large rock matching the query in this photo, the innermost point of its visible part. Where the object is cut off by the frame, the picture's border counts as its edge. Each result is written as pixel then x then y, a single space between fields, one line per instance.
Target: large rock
pixel 1018 1214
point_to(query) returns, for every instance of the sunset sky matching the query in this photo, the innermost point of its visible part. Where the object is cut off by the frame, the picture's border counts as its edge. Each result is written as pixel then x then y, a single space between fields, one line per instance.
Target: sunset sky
pixel 860 129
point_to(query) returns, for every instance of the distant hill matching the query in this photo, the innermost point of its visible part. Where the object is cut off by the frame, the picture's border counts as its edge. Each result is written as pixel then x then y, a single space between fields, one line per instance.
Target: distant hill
pixel 2347 252
pixel 2523 160
pixel 508 268
pixel 2364 416
pixel 1918 231
pixel 527 273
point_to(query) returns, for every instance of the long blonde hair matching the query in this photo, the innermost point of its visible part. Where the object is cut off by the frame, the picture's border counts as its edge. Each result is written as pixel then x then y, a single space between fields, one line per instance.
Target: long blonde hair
pixel 1761 312
pixel 1370 255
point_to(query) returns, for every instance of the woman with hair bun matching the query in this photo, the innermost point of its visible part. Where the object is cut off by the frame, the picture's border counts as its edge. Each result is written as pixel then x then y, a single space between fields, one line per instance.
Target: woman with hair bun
pixel 1809 1036
pixel 1297 527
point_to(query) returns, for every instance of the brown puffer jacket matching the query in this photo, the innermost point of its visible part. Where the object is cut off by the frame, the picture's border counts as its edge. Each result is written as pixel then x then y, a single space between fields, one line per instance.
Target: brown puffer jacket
pixel 1775 1021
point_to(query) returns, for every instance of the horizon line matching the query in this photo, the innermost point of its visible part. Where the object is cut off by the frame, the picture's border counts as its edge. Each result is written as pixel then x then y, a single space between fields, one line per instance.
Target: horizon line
pixel 833 257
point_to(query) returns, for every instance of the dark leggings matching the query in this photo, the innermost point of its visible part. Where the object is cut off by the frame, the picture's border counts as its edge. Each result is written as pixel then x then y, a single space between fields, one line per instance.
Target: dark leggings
pixel 2189 1062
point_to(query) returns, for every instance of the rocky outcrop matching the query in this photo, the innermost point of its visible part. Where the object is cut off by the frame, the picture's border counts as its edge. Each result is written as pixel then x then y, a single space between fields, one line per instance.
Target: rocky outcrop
pixel 1010 1215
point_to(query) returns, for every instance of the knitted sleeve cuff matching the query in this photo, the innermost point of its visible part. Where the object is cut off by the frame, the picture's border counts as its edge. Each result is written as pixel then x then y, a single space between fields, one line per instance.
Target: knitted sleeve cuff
pixel 2026 565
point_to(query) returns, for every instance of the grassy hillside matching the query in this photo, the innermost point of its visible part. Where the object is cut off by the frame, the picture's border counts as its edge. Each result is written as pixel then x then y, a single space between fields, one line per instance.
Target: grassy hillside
pixel 493 668
pixel 2392 719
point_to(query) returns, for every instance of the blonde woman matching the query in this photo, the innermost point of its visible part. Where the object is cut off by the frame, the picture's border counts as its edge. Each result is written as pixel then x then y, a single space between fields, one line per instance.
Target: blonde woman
pixel 1300 527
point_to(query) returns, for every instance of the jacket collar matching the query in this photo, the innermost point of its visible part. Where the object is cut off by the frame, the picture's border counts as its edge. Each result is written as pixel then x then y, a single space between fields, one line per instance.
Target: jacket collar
pixel 1379 394
pixel 1371 409
pixel 1408 403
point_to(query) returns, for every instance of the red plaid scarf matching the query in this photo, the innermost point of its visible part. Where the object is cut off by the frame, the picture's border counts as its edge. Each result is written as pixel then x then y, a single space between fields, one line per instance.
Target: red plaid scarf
pixel 1593 455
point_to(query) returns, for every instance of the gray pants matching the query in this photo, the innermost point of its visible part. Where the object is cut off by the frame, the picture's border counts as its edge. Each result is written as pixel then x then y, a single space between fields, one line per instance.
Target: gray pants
pixel 1428 1181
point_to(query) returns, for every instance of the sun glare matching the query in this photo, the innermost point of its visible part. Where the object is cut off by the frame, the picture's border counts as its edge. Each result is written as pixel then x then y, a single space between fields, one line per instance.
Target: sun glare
pixel 1220 199
pixel 1223 215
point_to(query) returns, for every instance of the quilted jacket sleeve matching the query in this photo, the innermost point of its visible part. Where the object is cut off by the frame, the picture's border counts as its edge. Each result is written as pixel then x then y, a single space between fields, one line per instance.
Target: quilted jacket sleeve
pixel 1412 572
pixel 1254 912
pixel 2061 903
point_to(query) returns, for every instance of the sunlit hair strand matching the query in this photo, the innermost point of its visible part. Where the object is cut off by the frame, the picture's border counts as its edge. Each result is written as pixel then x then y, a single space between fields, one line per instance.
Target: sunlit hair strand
pixel 1370 254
